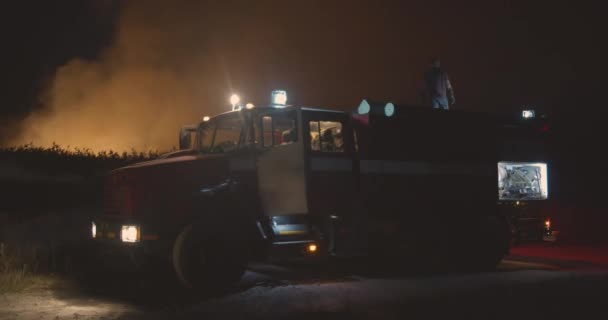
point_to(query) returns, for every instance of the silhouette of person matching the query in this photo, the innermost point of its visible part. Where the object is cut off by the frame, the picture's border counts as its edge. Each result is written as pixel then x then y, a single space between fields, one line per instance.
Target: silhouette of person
pixel 438 87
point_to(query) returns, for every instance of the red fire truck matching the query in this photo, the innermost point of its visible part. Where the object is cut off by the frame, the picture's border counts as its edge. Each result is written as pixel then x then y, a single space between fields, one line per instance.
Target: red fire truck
pixel 291 182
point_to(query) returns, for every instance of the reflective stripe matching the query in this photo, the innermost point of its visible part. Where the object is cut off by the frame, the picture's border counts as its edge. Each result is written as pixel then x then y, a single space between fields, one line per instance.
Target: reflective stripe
pixel 242 164
pixel 290 229
pixel 331 165
pixel 292 232
pixel 424 168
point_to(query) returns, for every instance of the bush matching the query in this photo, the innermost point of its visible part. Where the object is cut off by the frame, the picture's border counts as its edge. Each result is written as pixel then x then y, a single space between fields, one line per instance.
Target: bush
pixel 58 159
pixel 58 178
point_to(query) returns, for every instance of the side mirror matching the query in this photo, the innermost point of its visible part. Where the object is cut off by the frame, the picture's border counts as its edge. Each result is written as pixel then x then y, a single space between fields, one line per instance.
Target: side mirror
pixel 186 137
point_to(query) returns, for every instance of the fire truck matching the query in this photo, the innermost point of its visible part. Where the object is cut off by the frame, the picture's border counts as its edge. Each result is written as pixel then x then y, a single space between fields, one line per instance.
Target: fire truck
pixel 285 182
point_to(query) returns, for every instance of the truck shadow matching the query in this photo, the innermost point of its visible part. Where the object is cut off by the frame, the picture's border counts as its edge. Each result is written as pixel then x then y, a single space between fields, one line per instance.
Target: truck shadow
pixel 145 289
pixel 150 290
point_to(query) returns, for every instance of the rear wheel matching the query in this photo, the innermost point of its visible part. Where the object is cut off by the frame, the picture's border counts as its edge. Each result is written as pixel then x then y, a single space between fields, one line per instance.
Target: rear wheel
pixel 487 261
pixel 489 255
pixel 203 260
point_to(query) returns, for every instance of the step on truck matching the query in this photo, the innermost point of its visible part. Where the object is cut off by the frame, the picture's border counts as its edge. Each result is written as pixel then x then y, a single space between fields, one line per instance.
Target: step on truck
pixel 286 182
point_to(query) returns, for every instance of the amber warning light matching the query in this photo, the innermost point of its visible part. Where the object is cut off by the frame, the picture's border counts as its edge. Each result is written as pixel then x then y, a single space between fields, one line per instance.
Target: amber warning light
pixel 311 248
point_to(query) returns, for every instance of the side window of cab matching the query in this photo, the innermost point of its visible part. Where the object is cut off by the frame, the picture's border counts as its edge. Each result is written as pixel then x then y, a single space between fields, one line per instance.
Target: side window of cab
pixel 279 129
pixel 326 136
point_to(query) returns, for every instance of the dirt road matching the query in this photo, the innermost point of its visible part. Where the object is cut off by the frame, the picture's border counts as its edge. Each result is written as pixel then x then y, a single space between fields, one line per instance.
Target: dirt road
pixel 518 289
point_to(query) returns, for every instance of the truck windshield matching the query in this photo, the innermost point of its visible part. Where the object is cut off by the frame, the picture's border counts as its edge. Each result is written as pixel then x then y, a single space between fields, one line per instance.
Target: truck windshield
pixel 221 135
pixel 227 135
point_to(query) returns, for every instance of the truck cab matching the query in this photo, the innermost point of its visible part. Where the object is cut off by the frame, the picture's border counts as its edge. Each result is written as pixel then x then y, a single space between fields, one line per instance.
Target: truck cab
pixel 291 182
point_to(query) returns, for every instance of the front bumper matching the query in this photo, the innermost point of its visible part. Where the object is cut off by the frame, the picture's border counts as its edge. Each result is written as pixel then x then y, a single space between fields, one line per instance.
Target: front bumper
pixel 116 256
pixel 107 249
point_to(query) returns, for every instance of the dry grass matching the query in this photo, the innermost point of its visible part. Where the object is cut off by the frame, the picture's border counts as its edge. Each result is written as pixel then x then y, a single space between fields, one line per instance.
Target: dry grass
pixel 18 269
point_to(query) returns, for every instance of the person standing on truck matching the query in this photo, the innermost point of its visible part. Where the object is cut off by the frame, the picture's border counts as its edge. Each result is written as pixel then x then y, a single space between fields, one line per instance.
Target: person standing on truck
pixel 438 87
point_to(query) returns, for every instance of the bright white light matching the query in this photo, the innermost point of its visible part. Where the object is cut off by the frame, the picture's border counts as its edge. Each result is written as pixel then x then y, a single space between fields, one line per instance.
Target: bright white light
pixel 234 100
pixel 523 181
pixel 527 114
pixel 364 107
pixel 389 109
pixel 249 106
pixel 129 233
pixel 93 229
pixel 279 98
pixel 206 118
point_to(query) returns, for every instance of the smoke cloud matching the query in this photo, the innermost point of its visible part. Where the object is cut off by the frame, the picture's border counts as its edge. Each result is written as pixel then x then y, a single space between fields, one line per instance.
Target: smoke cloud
pixel 173 62
pixel 168 66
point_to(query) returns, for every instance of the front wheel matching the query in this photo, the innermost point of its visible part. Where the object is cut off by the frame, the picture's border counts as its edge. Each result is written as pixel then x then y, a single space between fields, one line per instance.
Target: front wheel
pixel 202 260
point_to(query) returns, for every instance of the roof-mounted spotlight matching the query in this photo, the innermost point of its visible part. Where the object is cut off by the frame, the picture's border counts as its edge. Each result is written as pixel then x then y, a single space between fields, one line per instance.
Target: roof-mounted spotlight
pixel 206 118
pixel 250 105
pixel 234 101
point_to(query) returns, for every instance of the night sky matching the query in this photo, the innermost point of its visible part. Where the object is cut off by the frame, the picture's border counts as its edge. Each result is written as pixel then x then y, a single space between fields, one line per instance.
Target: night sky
pixel 500 55
pixel 38 37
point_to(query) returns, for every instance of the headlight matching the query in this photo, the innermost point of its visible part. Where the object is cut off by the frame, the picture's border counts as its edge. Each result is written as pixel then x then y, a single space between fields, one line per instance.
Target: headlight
pixel 129 233
pixel 93 229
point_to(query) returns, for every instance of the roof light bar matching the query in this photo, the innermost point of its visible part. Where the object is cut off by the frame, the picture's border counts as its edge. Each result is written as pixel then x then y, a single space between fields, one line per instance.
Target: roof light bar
pixel 389 109
pixel 279 98
pixel 364 107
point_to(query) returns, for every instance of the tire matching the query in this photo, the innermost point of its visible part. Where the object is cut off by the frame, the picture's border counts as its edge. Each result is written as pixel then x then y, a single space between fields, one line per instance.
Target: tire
pixel 488 262
pixel 491 254
pixel 202 260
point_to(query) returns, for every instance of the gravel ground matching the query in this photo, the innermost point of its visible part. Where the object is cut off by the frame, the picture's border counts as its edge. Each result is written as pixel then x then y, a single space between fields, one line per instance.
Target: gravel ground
pixel 518 289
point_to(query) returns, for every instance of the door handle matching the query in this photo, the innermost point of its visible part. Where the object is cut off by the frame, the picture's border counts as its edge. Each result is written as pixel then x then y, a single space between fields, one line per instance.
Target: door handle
pixel 228 184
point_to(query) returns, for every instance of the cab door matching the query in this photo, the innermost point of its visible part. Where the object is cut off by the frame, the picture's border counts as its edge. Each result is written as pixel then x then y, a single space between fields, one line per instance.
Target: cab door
pixel 229 165
pixel 331 180
pixel 280 163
